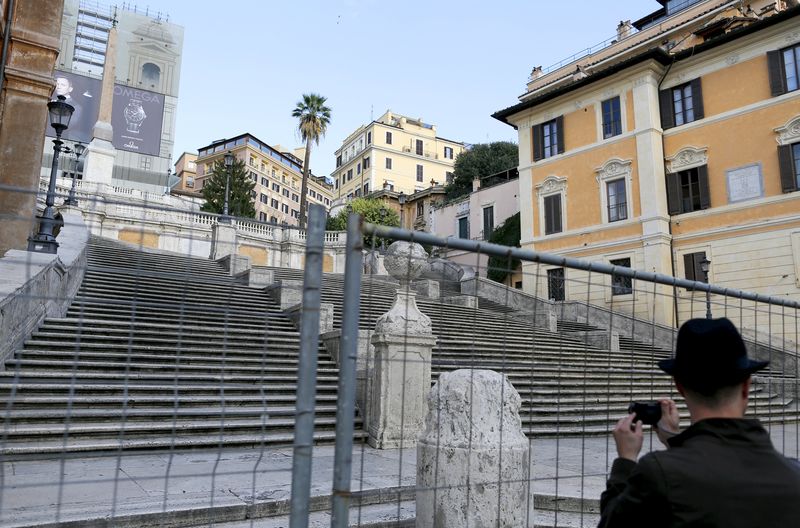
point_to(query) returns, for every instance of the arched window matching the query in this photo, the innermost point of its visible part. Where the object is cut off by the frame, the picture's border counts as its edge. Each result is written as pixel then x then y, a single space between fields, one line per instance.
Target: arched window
pixel 151 74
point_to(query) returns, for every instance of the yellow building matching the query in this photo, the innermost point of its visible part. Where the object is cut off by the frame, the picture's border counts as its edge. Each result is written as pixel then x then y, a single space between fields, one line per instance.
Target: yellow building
pixel 676 142
pixel 278 177
pixel 397 152
pixel 186 171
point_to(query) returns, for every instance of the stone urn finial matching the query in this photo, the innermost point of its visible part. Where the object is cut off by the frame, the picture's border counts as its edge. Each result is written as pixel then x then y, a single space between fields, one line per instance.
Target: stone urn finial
pixel 406 261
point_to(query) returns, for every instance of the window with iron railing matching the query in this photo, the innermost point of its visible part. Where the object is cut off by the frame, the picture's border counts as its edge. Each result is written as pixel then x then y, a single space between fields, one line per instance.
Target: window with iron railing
pixel 617 200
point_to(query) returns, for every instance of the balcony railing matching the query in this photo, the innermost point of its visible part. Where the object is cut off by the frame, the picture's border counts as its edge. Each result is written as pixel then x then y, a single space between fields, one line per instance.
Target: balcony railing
pixel 425 153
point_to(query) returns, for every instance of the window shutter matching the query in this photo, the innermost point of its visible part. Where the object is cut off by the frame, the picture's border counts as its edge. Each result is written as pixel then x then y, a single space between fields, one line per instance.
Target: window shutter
pixel 688 266
pixel 537 142
pixel 698 269
pixel 788 177
pixel 697 98
pixel 665 102
pixel 777 80
pixel 673 194
pixel 560 133
pixel 705 192
pixel 548 216
pixel 557 214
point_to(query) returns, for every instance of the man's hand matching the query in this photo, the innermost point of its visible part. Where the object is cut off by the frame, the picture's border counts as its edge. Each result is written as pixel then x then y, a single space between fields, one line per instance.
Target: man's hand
pixel 629 437
pixel 670 422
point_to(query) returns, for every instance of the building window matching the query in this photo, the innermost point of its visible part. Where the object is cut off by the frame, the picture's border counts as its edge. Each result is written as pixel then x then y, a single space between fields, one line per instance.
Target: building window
pixel 388 138
pixel 419 147
pixel 789 157
pixel 389 163
pixel 621 285
pixel 285 208
pixel 369 138
pixel 548 139
pixel 358 168
pixel 295 213
pixel 681 104
pixel 617 201
pixel 784 70
pixel 555 284
pixel 339 160
pixel 448 152
pixel 463 227
pixel 295 197
pixel 349 174
pixel 358 193
pixel 419 173
pixel 264 183
pixel 420 209
pixel 612 118
pixel 286 193
pixel 448 177
pixel 273 219
pixel 488 221
pixel 552 214
pixel 688 190
pixel 151 74
pixel 366 163
pixel 366 188
pixel 274 203
pixel 692 266
pixel 276 187
pixel 264 198
pixel 253 194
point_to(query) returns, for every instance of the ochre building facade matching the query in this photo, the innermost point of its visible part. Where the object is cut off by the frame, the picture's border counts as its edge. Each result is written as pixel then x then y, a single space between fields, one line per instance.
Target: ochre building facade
pixel 677 143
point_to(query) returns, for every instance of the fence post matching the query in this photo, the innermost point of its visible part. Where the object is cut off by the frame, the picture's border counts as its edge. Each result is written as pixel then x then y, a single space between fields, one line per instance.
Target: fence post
pixel 346 394
pixel 307 371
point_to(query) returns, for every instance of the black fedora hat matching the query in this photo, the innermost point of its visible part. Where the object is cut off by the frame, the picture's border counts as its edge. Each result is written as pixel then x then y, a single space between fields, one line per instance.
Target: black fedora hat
pixel 709 354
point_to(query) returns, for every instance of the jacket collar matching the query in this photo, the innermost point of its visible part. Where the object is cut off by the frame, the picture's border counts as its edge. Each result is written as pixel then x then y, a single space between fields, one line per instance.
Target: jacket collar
pixel 727 429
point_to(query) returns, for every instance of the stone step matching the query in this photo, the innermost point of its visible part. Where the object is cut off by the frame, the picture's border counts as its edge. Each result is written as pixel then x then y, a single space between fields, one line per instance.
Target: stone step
pixel 107 325
pixel 183 292
pixel 130 365
pixel 162 442
pixel 272 338
pixel 18 387
pixel 127 307
pixel 176 319
pixel 212 358
pixel 149 414
pixel 143 300
pixel 136 347
pixel 131 378
pixel 169 400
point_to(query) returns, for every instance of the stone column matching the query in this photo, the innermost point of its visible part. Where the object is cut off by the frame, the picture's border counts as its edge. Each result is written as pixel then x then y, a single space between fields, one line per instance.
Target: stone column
pixel 403 343
pixel 100 155
pixel 223 241
pixel 33 49
pixel 473 458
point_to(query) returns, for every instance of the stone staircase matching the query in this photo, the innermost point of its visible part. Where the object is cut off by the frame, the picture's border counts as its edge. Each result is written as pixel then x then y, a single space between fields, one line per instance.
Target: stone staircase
pixel 159 351
pixel 567 386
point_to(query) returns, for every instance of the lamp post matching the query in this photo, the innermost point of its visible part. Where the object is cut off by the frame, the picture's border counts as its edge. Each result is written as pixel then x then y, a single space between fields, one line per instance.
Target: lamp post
pixel 78 149
pixel 228 168
pixel 401 199
pixel 705 265
pixel 383 214
pixel 60 113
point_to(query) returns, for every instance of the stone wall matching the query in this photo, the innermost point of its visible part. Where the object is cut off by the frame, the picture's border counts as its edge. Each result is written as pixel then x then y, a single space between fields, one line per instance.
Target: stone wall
pixel 38 285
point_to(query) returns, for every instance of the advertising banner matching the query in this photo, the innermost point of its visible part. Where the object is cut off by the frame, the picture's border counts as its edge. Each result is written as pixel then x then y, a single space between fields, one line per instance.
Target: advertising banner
pixel 136 116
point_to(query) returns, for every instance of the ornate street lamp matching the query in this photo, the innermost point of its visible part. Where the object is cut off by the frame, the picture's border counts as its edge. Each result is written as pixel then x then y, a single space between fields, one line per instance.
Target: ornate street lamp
pixel 401 199
pixel 705 265
pixel 228 169
pixel 44 242
pixel 383 213
pixel 78 149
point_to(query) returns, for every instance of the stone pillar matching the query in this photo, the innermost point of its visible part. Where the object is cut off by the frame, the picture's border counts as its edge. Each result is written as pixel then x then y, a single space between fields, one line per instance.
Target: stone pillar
pixel 32 52
pixel 223 241
pixel 473 465
pixel 287 293
pixel 365 364
pixel 403 343
pixel 100 155
pixel 427 288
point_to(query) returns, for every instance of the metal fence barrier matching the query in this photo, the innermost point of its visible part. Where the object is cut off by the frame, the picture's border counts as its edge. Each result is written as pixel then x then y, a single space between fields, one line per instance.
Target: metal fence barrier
pixel 150 387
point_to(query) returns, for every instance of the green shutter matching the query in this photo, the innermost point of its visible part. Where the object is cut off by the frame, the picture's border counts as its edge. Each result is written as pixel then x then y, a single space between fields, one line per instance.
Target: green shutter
pixel 688 266
pixel 788 176
pixel 536 135
pixel 705 192
pixel 560 133
pixel 673 194
pixel 697 99
pixel 665 103
pixel 777 79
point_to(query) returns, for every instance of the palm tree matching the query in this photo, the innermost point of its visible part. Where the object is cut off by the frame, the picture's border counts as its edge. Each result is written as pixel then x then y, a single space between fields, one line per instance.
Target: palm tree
pixel 314 117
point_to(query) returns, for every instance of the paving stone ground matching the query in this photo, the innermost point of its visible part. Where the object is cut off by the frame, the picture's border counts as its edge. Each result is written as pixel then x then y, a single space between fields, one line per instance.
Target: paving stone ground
pixel 36 492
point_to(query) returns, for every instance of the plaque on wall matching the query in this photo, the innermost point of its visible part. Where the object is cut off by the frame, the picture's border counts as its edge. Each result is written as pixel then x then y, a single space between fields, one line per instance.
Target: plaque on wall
pixel 745 183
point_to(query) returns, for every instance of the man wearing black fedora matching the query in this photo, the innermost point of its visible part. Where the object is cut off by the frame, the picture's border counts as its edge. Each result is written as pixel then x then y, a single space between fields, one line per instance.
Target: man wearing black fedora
pixel 722 470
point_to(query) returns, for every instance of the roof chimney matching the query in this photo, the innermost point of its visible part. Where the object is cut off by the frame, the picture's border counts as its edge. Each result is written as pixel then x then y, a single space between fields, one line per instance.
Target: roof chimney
pixel 624 29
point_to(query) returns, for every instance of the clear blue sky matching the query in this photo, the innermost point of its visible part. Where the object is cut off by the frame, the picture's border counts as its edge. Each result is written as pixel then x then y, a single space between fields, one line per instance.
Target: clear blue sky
pixel 246 62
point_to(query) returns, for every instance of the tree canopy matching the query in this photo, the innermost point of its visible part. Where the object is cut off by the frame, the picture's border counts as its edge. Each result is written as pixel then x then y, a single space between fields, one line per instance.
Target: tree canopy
pixel 373 210
pixel 507 234
pixel 240 201
pixel 479 161
pixel 313 119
